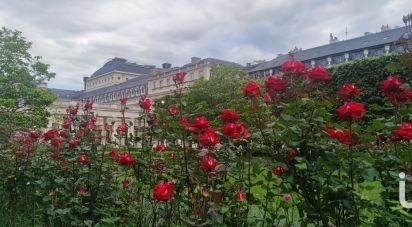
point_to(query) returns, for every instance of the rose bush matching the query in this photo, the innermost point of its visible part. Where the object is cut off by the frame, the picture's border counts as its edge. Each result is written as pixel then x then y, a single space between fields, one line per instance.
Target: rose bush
pixel 297 155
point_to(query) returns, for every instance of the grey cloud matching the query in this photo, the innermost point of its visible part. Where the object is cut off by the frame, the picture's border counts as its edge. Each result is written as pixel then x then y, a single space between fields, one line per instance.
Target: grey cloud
pixel 76 37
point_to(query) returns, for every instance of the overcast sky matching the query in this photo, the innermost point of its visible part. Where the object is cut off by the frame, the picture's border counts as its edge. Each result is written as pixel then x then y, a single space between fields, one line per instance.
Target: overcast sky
pixel 77 36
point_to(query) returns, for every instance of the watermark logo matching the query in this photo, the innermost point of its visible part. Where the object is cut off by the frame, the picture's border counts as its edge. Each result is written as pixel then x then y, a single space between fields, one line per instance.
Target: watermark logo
pixel 402 192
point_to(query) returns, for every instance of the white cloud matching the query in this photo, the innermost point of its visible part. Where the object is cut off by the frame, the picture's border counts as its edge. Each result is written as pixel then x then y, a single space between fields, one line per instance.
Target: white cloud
pixel 76 37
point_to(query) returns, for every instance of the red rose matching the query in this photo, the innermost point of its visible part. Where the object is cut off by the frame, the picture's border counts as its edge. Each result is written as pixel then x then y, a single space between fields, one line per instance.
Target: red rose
pixel 125 183
pixel 163 191
pixel 62 133
pixel 396 90
pixel 172 155
pixel 90 125
pixel 318 73
pixel 240 196
pixel 160 147
pixel 228 129
pixel 292 152
pixel 93 117
pixel 185 122
pixel 72 111
pixel 208 163
pixel 173 110
pixel 50 134
pixel 56 142
pixel 126 159
pixel 123 101
pixel 275 84
pixel 82 190
pixel 145 103
pixel 66 122
pixel 229 115
pixel 350 111
pixel 200 122
pixel 277 170
pixel 122 128
pixel 343 136
pixel 64 163
pixel 251 89
pixel 267 97
pixel 391 85
pixel 89 104
pixel 114 154
pixel 293 66
pixel 287 197
pixel 82 158
pixel 349 90
pixel 179 77
pixel 209 137
pixel 404 96
pixel 235 130
pixel 55 154
pixel 73 142
pixel 34 134
pixel 80 133
pixel 404 131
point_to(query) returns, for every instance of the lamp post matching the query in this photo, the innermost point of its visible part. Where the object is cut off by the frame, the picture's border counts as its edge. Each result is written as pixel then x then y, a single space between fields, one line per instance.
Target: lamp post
pixel 406 39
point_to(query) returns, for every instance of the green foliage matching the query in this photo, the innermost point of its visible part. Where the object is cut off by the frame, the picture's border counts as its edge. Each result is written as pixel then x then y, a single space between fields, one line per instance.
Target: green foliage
pixel 22 104
pixel 208 97
pixel 292 168
pixel 367 73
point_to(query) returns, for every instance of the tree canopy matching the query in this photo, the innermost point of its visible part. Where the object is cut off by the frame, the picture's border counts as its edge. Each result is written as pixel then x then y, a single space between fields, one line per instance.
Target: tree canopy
pixel 208 97
pixel 22 103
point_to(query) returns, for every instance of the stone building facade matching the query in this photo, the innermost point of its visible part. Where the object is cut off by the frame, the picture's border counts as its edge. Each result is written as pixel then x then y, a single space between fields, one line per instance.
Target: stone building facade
pixel 160 82
pixel 118 78
pixel 336 52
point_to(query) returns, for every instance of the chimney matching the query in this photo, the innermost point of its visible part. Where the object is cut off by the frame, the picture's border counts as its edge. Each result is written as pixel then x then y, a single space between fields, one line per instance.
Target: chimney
pixel 166 65
pixel 84 81
pixel 195 60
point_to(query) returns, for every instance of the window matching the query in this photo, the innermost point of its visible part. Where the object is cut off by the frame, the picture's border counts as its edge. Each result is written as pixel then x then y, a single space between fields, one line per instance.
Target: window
pixel 160 83
pixel 118 78
pixel 168 82
pixel 376 51
pixel 338 59
pixel 154 84
pixel 322 62
pixel 356 55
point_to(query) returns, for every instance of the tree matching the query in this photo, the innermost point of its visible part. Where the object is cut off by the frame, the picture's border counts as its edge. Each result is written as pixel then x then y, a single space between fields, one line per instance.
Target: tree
pixel 208 97
pixel 22 103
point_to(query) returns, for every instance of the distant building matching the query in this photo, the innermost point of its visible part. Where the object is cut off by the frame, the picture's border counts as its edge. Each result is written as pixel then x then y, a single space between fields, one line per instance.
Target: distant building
pixel 160 82
pixel 119 78
pixel 336 52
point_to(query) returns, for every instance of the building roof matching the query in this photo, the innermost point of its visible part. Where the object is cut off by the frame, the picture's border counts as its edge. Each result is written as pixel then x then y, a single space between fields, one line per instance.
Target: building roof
pixel 138 81
pixel 77 95
pixel 121 65
pixel 213 61
pixel 359 43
